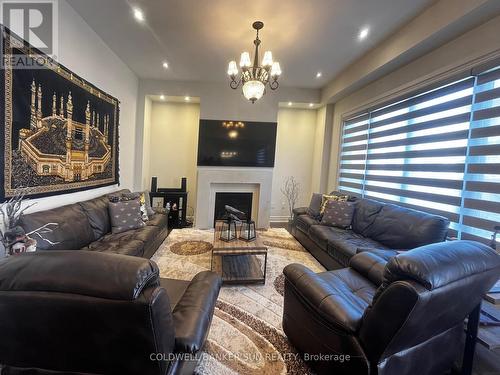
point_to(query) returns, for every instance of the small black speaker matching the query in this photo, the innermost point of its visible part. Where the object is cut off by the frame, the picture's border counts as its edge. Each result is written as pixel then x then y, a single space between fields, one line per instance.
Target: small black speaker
pixel 154 184
pixel 184 184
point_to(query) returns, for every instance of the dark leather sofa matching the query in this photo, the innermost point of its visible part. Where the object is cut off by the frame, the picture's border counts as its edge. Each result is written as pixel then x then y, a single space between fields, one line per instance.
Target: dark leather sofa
pixel 375 225
pixel 87 226
pixel 402 316
pixel 81 312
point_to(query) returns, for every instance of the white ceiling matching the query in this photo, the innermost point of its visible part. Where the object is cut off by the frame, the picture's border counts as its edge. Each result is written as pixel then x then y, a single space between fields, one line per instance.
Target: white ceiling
pixel 199 37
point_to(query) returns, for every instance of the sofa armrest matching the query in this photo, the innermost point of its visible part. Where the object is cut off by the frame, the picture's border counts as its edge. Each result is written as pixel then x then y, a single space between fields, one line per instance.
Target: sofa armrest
pixel 300 211
pixel 371 263
pixel 193 313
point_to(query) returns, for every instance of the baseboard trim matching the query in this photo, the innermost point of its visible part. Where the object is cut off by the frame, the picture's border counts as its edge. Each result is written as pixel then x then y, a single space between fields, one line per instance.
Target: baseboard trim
pixel 279 219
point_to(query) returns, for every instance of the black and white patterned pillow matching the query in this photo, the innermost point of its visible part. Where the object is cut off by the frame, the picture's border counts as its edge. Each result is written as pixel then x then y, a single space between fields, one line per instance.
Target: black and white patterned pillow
pixel 125 215
pixel 338 214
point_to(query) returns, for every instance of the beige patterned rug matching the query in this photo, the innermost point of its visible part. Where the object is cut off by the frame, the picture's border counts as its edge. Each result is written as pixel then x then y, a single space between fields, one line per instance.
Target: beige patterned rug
pixel 246 336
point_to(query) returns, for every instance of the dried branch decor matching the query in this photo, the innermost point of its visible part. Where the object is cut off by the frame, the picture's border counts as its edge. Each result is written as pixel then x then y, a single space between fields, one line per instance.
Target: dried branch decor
pixel 290 190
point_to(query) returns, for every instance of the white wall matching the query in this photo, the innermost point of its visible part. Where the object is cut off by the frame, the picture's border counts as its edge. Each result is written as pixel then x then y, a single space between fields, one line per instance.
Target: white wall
pixel 295 145
pixel 82 51
pixel 173 145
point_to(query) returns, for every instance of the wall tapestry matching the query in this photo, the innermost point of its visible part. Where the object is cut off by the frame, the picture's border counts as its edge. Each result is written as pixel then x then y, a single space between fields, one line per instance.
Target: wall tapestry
pixel 60 133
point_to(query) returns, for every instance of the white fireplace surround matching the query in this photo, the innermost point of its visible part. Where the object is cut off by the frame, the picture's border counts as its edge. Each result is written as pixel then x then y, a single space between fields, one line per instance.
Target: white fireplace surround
pixel 212 180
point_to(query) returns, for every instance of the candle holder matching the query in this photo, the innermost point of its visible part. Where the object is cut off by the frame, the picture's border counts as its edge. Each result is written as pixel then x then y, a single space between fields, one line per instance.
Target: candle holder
pixel 247 231
pixel 228 231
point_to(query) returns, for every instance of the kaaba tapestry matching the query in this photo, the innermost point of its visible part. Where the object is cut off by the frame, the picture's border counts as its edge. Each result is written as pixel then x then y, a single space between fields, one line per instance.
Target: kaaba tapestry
pixel 60 133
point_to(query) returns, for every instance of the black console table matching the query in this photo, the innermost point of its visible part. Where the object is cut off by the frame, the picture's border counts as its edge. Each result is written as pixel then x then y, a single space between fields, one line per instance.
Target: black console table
pixel 177 198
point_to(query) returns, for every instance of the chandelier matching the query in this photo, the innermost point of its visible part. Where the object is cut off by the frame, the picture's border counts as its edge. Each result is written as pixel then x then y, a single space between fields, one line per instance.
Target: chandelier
pixel 254 78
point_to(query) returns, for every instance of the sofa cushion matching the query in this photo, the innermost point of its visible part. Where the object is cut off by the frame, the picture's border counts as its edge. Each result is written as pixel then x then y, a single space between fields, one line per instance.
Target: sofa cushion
pixel 321 234
pixel 98 215
pixel 72 232
pixel 365 214
pixel 158 220
pixel 124 246
pixel 344 247
pixel 144 234
pixel 304 222
pixel 403 228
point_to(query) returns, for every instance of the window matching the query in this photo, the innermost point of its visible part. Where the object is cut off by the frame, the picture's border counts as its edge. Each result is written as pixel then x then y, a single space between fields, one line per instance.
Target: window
pixel 438 151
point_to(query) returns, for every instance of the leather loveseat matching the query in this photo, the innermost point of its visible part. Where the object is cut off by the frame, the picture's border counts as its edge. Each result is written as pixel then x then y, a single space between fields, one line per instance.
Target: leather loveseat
pixel 77 312
pixel 375 225
pixel 87 226
pixel 404 316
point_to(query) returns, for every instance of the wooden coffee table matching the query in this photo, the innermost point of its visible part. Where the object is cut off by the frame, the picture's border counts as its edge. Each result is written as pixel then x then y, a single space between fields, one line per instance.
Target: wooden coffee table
pixel 239 262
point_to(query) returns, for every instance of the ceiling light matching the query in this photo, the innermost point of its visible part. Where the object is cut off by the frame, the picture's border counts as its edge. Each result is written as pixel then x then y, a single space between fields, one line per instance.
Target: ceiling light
pixel 363 33
pixel 255 76
pixel 138 15
pixel 311 104
pixel 289 104
pixel 187 98
pixel 162 97
pixel 165 65
pixel 319 74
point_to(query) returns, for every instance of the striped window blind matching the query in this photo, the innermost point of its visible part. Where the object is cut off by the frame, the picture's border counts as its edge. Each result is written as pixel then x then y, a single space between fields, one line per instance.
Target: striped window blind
pixel 481 206
pixel 438 152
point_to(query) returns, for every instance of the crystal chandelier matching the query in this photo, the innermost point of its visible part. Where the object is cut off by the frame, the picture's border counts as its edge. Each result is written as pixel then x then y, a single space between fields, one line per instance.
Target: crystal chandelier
pixel 254 78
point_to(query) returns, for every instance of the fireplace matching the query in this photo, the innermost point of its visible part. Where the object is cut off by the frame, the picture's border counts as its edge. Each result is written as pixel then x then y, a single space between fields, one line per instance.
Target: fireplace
pixel 240 201
pixel 257 182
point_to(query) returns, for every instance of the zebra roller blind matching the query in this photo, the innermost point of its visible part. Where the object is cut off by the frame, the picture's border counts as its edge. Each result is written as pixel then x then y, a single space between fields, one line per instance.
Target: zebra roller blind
pixel 438 152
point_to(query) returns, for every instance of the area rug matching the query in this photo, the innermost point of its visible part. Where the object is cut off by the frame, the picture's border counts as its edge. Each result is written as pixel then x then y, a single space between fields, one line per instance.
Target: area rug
pixel 246 336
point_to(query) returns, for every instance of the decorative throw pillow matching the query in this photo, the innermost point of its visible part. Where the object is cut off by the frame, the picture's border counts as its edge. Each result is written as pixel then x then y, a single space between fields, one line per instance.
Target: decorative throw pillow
pixel 315 205
pixel 125 215
pixel 338 214
pixel 143 197
pixel 327 198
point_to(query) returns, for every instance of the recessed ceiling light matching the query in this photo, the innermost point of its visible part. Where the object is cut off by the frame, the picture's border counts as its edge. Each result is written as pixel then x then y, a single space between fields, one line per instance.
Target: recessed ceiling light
pixel 311 104
pixel 162 97
pixel 138 14
pixel 187 98
pixel 165 65
pixel 363 33
pixel 289 104
pixel 319 74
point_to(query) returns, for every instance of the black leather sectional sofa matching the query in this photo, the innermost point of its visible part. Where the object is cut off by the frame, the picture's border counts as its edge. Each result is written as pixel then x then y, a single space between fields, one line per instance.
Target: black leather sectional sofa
pixel 375 225
pixel 87 226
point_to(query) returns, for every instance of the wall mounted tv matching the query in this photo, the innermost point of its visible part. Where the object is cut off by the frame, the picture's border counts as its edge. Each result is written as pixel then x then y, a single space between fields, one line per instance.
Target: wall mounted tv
pixel 236 143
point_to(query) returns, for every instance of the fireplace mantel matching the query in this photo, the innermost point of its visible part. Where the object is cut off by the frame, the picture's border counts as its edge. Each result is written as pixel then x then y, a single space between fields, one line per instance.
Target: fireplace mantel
pixel 233 179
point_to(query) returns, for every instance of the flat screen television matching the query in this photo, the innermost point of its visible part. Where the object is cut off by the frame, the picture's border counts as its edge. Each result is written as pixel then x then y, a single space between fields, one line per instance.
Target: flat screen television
pixel 236 143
